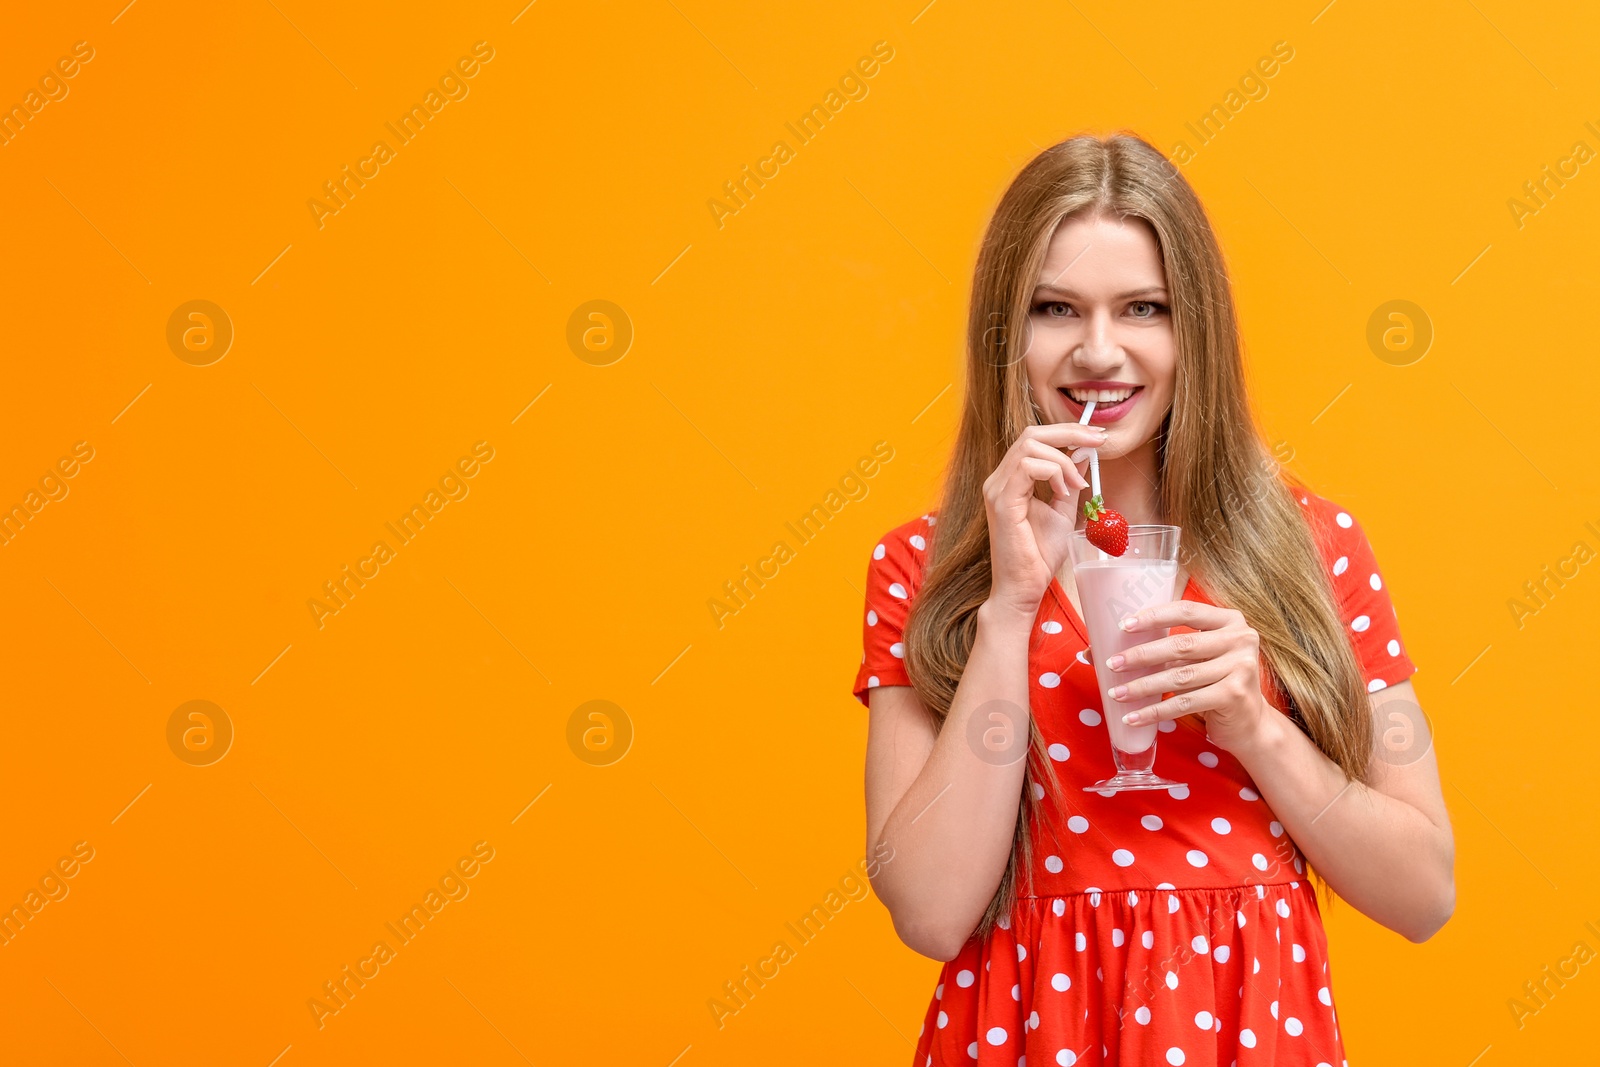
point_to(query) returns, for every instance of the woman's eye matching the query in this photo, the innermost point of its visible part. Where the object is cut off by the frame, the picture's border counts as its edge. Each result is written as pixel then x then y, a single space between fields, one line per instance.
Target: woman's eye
pixel 1047 306
pixel 1155 309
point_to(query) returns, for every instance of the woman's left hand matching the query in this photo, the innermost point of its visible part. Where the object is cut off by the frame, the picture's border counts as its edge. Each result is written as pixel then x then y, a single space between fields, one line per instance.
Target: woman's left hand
pixel 1214 672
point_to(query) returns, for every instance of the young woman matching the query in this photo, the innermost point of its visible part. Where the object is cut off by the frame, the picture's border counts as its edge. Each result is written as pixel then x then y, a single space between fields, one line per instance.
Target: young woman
pixel 1142 927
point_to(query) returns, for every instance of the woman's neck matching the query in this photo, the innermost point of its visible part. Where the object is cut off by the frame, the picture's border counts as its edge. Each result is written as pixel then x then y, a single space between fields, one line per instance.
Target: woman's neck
pixel 1131 486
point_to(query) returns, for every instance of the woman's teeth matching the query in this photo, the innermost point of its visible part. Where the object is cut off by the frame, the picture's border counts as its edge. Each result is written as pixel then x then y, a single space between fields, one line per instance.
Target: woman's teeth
pixel 1100 396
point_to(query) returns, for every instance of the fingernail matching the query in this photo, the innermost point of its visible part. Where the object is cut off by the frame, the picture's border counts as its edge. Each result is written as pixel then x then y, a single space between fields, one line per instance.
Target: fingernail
pixel 1118 692
pixel 1131 718
pixel 1115 662
pixel 1125 623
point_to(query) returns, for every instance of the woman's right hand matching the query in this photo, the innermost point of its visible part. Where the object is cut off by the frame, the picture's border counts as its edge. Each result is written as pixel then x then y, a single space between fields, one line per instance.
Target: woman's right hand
pixel 1028 538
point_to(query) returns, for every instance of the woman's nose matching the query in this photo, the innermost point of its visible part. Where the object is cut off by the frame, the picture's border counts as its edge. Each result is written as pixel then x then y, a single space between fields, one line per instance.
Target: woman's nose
pixel 1098 349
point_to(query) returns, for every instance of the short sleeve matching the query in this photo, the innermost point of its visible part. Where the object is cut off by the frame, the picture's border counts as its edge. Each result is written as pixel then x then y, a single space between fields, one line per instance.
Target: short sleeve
pixel 1362 594
pixel 894 572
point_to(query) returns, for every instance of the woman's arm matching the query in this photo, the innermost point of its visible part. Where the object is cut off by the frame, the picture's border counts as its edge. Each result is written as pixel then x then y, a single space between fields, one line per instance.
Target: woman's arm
pixel 1388 848
pixel 947 803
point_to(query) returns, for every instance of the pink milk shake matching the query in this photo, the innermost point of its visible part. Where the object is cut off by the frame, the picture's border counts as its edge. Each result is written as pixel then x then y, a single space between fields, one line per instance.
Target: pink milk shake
pixel 1108 589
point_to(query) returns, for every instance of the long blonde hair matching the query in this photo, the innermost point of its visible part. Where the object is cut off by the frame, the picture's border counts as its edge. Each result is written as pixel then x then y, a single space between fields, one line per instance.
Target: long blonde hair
pixel 1245 537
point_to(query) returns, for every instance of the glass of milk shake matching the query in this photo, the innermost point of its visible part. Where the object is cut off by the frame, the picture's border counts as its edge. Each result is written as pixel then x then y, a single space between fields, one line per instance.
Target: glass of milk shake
pixel 1110 587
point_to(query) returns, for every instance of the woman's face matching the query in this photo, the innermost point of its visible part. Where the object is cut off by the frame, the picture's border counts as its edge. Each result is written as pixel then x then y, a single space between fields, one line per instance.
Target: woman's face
pixel 1100 328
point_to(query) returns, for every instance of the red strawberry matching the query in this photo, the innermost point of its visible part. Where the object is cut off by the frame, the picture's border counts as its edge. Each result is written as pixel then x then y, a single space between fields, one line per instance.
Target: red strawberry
pixel 1107 529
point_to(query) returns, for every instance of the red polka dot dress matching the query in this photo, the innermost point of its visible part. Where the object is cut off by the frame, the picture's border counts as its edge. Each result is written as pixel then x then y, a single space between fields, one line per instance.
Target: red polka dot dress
pixel 1168 926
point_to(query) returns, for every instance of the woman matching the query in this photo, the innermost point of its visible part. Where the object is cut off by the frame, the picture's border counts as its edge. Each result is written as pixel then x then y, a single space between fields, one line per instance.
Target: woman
pixel 1167 926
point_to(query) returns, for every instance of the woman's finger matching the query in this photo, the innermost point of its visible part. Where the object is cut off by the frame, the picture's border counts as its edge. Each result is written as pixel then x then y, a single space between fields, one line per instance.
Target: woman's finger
pixel 1190 613
pixel 1066 434
pixel 1176 648
pixel 1012 482
pixel 1042 470
pixel 1178 679
pixel 1040 450
pixel 1208 698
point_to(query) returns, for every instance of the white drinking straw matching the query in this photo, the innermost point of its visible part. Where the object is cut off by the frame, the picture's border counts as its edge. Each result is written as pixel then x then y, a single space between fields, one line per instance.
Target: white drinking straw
pixel 1094 453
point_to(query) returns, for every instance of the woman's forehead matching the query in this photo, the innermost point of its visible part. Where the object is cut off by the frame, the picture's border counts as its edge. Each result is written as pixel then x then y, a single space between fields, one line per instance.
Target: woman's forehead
pixel 1102 256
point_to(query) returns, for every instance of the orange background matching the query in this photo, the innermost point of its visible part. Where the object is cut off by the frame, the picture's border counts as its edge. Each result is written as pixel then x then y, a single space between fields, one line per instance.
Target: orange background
pixel 769 355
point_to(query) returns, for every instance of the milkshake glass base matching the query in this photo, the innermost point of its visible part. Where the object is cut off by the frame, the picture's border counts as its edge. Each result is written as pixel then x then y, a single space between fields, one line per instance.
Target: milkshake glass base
pixel 1133 780
pixel 1134 771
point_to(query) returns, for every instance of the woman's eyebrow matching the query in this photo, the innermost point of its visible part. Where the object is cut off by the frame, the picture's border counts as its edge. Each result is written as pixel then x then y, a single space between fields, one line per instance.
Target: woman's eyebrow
pixel 1149 290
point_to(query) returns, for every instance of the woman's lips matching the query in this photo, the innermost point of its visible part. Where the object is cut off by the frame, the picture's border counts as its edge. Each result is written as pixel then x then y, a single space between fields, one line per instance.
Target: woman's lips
pixel 1103 413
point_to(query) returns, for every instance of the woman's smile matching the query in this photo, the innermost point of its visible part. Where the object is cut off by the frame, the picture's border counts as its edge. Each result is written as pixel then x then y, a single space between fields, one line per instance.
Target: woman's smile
pixel 1113 400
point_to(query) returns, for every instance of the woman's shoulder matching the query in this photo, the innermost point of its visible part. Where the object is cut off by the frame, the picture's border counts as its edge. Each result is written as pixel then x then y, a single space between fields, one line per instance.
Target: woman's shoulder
pixel 894 574
pixel 1333 526
pixel 1360 590
pixel 1346 552
pixel 899 556
pixel 913 535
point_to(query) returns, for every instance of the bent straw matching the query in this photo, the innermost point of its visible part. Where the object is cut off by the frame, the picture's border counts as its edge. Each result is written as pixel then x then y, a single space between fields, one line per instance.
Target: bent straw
pixel 1094 453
